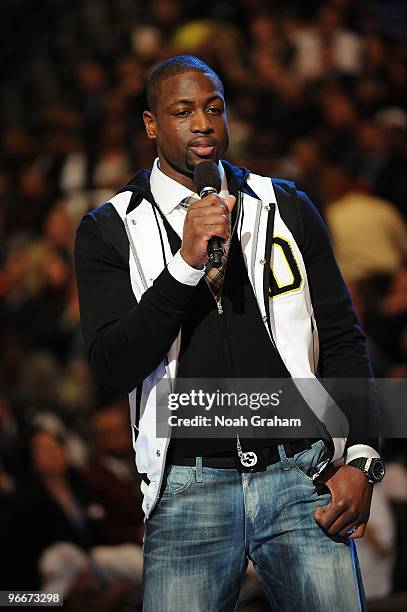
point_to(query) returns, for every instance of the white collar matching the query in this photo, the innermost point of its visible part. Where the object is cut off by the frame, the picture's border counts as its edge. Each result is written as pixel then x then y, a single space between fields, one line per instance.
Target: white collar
pixel 168 193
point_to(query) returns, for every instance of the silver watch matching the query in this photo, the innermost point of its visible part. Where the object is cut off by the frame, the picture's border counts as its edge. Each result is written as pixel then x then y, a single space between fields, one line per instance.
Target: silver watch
pixel 373 468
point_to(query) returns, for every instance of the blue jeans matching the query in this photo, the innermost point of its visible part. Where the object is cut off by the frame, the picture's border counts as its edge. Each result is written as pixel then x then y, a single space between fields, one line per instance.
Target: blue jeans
pixel 209 521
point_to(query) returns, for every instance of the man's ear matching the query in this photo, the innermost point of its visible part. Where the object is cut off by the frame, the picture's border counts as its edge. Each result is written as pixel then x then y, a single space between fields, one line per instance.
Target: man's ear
pixel 150 123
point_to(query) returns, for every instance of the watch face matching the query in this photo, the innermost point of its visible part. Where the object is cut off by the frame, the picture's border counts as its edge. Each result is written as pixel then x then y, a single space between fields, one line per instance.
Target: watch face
pixel 377 470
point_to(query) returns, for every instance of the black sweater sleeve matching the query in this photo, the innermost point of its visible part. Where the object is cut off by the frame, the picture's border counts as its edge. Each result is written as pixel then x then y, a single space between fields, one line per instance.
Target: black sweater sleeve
pixel 344 363
pixel 125 340
pixel 342 343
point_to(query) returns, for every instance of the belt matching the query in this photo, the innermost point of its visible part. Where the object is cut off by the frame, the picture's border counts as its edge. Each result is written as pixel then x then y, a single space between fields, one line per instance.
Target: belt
pixel 265 456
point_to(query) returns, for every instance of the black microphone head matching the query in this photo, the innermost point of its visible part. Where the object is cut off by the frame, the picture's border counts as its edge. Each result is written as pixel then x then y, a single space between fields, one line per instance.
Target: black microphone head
pixel 207 175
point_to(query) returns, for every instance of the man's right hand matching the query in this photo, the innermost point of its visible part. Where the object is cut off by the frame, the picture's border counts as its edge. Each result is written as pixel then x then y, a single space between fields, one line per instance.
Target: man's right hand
pixel 206 218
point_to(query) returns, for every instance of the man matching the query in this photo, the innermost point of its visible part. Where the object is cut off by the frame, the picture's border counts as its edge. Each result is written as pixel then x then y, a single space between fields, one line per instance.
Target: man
pixel 112 478
pixel 151 311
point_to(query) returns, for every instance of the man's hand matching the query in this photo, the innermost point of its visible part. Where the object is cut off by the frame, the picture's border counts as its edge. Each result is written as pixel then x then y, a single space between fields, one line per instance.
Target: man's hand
pixel 206 218
pixel 350 507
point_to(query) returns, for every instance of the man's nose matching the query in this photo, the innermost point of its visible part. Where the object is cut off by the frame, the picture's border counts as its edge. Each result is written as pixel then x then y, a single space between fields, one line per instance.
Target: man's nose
pixel 201 122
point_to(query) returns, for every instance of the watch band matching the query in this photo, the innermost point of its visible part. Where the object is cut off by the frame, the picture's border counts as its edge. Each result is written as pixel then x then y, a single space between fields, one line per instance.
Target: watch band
pixel 373 468
pixel 360 463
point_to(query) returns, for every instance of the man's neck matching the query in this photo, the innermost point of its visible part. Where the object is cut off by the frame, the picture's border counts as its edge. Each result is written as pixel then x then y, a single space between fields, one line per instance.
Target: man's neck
pixel 187 180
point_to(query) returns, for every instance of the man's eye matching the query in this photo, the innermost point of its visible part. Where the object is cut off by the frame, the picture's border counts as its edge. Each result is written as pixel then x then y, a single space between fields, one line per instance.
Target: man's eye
pixel 183 113
pixel 214 110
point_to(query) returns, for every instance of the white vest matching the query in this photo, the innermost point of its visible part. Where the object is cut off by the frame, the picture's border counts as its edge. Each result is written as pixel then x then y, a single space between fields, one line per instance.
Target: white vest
pixel 291 315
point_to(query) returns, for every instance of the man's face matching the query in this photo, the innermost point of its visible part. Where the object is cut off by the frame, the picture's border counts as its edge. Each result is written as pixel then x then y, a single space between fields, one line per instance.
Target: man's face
pixel 189 124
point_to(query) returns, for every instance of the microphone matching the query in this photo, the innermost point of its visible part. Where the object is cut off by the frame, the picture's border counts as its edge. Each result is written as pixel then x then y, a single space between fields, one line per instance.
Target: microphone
pixel 207 181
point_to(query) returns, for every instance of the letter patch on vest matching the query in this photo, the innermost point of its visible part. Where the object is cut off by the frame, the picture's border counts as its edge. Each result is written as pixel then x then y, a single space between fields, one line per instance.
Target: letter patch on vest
pixel 285 272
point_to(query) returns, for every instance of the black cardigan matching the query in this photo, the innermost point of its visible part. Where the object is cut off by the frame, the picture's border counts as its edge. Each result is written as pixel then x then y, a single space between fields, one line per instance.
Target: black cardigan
pixel 127 340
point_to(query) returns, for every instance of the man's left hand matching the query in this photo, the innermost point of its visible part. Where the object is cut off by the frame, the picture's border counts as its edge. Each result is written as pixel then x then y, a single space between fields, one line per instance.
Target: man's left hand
pixel 350 506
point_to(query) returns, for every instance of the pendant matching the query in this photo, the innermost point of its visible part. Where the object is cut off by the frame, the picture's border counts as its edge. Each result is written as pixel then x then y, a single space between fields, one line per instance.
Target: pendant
pixel 248 459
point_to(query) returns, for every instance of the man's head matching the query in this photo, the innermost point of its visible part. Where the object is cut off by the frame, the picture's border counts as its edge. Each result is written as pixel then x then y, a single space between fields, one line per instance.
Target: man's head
pixel 186 116
pixel 111 432
pixel 171 67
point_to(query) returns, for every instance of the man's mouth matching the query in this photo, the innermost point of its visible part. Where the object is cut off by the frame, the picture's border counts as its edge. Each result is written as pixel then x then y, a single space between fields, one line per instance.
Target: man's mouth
pixel 203 148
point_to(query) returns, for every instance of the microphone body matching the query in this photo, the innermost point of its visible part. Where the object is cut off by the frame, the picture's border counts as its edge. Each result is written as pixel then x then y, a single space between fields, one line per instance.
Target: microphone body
pixel 207 182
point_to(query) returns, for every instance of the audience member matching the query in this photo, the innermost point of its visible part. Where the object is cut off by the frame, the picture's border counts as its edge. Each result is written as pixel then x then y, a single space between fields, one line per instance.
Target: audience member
pixel 376 548
pixel 112 476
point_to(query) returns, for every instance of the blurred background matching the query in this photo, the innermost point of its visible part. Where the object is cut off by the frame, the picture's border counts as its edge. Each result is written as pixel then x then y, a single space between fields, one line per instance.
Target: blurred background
pixel 316 93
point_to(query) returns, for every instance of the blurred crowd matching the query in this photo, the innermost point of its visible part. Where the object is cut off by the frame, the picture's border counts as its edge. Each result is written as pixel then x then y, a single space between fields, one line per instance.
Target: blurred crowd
pixel 316 93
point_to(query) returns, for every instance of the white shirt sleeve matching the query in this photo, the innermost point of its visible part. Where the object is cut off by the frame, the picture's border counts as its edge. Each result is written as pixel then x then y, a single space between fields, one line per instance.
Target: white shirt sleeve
pixel 183 272
pixel 360 450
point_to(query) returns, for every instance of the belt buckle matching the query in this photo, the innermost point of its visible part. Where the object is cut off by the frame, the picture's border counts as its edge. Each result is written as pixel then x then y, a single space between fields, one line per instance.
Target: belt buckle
pixel 251 461
pixel 248 459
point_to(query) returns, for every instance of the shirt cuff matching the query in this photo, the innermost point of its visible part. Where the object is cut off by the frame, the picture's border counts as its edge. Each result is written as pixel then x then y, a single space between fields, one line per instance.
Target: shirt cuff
pixel 183 272
pixel 360 450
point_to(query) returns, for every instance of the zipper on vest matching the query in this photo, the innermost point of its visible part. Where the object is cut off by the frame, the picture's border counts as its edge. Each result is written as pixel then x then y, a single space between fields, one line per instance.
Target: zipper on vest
pixel 225 335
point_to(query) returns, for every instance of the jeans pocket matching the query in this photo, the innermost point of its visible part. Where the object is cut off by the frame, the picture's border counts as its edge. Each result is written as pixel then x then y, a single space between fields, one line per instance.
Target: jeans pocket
pixel 306 461
pixel 179 479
